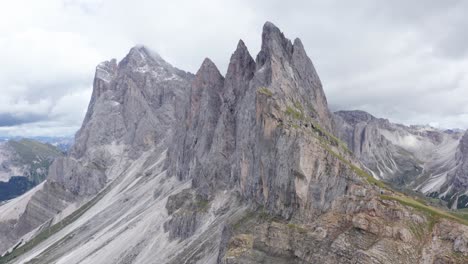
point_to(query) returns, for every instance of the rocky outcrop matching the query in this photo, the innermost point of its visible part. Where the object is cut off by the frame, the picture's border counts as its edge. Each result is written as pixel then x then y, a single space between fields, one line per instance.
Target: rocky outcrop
pixel 188 211
pixel 457 179
pixel 462 156
pixel 359 229
pixel 237 169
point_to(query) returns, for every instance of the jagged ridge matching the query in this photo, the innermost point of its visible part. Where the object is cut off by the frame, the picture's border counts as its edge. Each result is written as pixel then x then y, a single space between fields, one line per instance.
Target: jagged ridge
pixel 236 169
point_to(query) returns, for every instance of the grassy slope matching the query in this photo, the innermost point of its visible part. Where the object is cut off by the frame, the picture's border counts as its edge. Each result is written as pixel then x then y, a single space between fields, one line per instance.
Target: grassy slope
pixel 31 150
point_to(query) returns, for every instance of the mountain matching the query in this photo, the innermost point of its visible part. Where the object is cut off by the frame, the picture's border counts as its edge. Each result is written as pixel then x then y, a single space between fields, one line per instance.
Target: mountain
pixel 62 143
pixel 23 165
pixel 429 160
pixel 174 167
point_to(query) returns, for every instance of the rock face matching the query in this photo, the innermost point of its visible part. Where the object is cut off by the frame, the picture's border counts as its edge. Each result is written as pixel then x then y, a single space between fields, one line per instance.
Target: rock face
pixel 247 137
pixel 426 159
pixel 457 180
pixel 171 167
pixel 125 117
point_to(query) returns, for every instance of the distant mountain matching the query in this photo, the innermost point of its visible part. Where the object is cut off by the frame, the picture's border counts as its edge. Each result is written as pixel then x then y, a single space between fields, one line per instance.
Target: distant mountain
pixel 422 158
pixel 24 164
pixel 173 167
pixel 62 143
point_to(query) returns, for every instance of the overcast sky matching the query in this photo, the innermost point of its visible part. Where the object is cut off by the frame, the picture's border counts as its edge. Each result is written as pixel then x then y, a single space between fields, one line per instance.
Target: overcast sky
pixel 402 60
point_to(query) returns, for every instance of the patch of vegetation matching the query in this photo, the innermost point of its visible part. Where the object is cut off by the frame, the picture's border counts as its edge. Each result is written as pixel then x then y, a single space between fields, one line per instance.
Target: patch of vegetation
pixel 31 150
pixel 294 113
pixel 264 215
pixel 295 126
pixel 202 205
pixel 360 172
pixel 461 214
pixel 417 229
pixel 265 91
pixel 370 179
pixel 330 137
pixel 298 106
pixel 297 113
pixel 433 213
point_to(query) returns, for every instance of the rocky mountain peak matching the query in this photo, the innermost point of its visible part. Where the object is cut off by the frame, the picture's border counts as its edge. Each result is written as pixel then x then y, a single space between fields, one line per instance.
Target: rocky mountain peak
pixel 289 73
pixel 298 44
pixel 141 60
pixel 274 44
pixel 241 56
pixel 208 77
pixel 240 71
pixel 208 69
pixel 135 57
pixel 274 41
pixel 241 45
pixel 139 55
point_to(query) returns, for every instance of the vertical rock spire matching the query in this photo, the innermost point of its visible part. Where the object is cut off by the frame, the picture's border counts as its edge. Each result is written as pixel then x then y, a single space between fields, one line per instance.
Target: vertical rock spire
pixel 240 71
pixel 286 70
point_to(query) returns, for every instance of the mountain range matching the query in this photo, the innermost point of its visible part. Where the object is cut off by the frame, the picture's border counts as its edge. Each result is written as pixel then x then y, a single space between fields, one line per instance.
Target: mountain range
pixel 422 158
pixel 249 167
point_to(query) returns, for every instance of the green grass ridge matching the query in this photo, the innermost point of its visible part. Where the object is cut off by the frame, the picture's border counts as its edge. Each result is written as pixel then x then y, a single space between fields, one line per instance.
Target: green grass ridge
pixel 433 213
pixel 265 91
pixel 28 150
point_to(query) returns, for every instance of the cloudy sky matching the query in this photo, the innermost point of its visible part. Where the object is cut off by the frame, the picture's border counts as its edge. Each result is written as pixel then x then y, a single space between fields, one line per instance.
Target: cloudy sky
pixel 403 60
